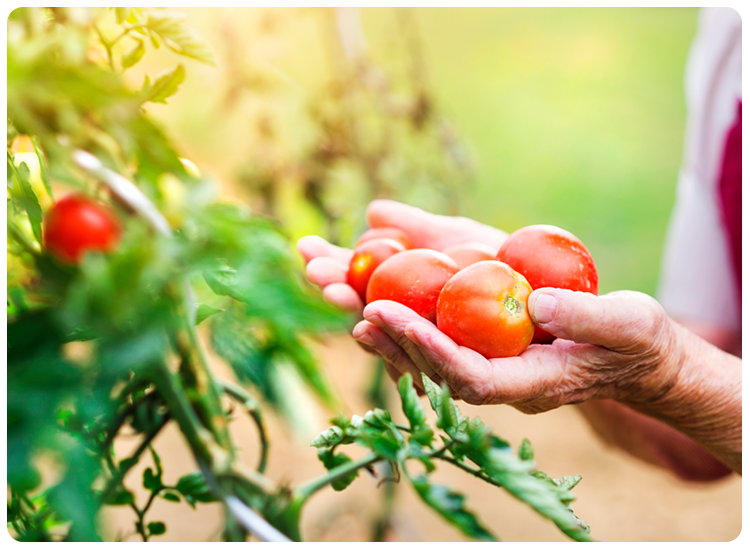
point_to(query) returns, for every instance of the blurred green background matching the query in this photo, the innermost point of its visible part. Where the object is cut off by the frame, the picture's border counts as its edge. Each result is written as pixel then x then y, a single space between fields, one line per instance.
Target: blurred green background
pixel 572 117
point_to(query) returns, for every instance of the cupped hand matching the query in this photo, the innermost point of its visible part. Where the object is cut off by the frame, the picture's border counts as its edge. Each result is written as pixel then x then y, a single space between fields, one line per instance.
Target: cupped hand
pixel 620 346
pixel 327 264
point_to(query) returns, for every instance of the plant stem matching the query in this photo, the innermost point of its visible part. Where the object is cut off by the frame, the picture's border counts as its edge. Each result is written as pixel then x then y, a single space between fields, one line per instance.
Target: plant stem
pixel 304 492
pixel 107 46
pixel 174 396
pixel 194 368
pixel 253 409
pixel 466 468
pixel 123 471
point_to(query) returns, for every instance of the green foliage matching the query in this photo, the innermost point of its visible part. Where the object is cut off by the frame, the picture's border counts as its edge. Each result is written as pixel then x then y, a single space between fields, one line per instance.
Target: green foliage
pixel 467 444
pixel 114 341
pixel 125 311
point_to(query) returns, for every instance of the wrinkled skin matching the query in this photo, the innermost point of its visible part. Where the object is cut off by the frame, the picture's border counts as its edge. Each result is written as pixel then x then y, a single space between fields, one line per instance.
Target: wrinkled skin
pixel 619 355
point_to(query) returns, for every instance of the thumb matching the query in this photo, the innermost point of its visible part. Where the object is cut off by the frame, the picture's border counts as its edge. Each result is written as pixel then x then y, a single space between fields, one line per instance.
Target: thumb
pixel 429 230
pixel 623 321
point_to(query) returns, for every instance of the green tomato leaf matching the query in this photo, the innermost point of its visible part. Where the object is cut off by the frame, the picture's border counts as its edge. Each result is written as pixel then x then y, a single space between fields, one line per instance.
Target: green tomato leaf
pixel 134 54
pixel 194 488
pixel 450 505
pixel 151 481
pixel 331 461
pixel 156 528
pixel 329 438
pixel 526 450
pixel 171 27
pixel 165 85
pixel 420 431
pixel 28 197
pixel 205 311
pixel 120 497
pixel 170 495
pixel 448 415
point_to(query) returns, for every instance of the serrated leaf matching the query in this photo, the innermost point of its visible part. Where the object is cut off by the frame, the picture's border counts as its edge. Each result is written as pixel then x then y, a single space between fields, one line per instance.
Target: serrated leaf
pixel 134 54
pixel 332 436
pixel 567 482
pixel 448 415
pixel 420 432
pixel 534 488
pixel 204 311
pixel 171 26
pixel 450 505
pixel 410 401
pixel 194 488
pixel 433 392
pixel 331 461
pixel 165 85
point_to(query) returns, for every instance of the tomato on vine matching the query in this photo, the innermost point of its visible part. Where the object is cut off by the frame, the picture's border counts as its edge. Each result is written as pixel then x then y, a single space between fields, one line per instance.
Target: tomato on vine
pixel 78 224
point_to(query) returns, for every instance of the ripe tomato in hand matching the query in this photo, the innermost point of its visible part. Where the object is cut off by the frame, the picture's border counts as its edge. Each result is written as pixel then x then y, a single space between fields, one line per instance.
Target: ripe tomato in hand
pixel 549 256
pixel 413 278
pixel 78 224
pixel 367 257
pixel 386 233
pixel 484 307
pixel 466 254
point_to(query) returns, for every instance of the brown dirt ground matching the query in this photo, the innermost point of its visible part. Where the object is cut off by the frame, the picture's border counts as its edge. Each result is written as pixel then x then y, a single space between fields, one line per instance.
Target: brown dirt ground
pixel 621 498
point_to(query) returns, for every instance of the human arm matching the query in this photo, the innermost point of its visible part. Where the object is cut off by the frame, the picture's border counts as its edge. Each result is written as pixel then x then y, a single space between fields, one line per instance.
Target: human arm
pixel 327 268
pixel 620 346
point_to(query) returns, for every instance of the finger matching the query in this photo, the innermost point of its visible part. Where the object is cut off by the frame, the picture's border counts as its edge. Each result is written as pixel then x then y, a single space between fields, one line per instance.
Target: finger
pixel 622 321
pixel 543 377
pixel 377 339
pixel 324 271
pixel 313 246
pixel 343 296
pixel 393 318
pixel 465 371
pixel 431 230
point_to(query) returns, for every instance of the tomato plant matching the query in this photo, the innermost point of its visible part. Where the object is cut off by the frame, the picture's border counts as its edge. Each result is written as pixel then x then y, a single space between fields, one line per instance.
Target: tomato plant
pixel 484 307
pixel 413 278
pixel 124 344
pixel 77 224
pixel 367 257
pixel 466 254
pixel 550 257
pixel 386 233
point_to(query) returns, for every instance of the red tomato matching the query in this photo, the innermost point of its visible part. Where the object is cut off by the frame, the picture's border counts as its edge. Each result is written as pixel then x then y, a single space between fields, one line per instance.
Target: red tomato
pixel 386 233
pixel 78 224
pixel 549 256
pixel 413 278
pixel 466 254
pixel 484 307
pixel 367 257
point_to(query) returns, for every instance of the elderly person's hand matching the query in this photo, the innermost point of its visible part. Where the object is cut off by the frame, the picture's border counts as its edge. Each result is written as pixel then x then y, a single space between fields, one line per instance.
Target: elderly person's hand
pixel 327 264
pixel 621 348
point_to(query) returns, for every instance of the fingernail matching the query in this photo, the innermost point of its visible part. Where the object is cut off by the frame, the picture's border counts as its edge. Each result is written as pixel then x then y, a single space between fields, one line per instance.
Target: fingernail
pixel 374 318
pixel 366 339
pixel 545 308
